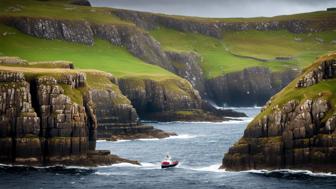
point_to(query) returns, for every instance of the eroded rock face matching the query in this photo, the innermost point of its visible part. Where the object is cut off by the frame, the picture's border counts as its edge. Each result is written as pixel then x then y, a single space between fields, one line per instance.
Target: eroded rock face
pixel 326 70
pixel 187 65
pixel 19 125
pixel 74 31
pixel 149 96
pixel 252 86
pixel 110 114
pixel 12 60
pixel 63 122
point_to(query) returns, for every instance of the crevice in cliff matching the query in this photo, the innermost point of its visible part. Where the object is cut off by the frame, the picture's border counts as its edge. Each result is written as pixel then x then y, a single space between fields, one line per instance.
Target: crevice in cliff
pixel 34 98
pixel 36 105
pixel 13 136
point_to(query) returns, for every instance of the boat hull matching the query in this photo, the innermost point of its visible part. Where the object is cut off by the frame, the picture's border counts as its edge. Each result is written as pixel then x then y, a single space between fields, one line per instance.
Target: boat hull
pixel 163 166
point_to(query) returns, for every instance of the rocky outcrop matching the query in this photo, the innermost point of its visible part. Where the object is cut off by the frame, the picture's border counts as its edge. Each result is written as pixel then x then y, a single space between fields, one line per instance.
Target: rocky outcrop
pixel 187 65
pixel 252 86
pixel 298 133
pixel 216 27
pixel 326 70
pixel 69 30
pixel 150 96
pixel 41 125
pixel 9 60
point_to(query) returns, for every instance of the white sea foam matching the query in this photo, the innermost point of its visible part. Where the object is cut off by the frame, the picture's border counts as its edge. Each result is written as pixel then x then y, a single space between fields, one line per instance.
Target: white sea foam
pixel 182 136
pixel 125 165
pixel 101 140
pixel 210 168
pixel 233 107
pixel 119 141
pixel 147 139
pixel 103 173
pixel 47 167
pixel 241 120
pixel 291 171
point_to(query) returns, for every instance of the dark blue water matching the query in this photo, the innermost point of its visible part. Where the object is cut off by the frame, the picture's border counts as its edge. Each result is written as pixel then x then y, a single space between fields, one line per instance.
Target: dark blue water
pixel 200 147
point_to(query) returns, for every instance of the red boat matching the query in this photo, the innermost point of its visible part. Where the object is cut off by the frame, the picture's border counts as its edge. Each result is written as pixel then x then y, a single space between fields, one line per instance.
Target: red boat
pixel 167 162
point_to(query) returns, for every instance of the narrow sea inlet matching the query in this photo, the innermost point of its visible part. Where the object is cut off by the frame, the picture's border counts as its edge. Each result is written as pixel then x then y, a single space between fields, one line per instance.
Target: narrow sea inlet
pixel 199 147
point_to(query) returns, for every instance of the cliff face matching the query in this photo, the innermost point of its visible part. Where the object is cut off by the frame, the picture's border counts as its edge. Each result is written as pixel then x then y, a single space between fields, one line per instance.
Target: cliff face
pixel 187 65
pixel 252 86
pixel 296 129
pixel 119 120
pixel 216 28
pixel 149 96
pixel 48 128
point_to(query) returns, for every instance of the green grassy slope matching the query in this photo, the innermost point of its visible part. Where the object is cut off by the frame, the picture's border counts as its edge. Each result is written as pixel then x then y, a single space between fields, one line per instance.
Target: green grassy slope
pixel 102 55
pixel 219 54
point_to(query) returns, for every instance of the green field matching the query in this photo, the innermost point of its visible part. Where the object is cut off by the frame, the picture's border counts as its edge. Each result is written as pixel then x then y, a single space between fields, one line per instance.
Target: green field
pixel 219 54
pixel 101 56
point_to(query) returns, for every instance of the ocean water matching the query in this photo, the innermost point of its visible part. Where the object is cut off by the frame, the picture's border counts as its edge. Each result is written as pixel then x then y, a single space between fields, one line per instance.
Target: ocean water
pixel 199 147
